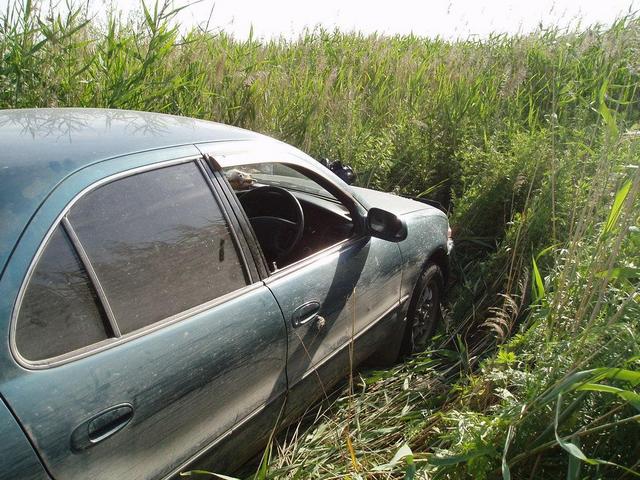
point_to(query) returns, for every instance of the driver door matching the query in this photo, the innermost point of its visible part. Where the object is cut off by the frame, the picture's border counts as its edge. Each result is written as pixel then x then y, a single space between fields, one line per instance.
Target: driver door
pixel 339 292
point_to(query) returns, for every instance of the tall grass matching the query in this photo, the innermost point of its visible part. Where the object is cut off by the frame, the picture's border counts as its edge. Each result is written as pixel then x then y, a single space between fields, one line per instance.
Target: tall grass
pixel 529 141
pixel 557 399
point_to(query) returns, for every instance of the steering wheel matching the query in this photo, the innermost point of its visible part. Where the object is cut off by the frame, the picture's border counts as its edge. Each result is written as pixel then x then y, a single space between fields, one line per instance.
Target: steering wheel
pixel 277 236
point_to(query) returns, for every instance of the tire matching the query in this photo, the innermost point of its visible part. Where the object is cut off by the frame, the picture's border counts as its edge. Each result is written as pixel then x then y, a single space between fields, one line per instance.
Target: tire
pixel 425 310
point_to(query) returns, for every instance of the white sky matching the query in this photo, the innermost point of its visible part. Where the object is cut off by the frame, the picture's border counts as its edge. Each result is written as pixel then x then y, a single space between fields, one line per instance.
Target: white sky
pixel 445 18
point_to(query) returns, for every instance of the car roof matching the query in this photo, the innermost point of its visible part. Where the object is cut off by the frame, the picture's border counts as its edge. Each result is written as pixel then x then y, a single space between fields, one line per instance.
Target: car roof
pixel 41 147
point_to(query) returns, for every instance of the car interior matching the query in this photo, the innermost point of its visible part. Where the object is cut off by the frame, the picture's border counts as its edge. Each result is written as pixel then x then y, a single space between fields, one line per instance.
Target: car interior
pixel 292 215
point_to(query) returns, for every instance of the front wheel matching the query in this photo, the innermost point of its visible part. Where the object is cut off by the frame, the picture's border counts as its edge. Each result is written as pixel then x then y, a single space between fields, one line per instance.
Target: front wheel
pixel 425 310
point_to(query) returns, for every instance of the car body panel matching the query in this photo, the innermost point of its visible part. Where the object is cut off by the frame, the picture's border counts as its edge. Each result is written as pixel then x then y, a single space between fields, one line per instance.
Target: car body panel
pixel 427 227
pixel 355 284
pixel 185 378
pixel 387 201
pixel 188 384
pixel 17 458
pixel 385 333
pixel 428 242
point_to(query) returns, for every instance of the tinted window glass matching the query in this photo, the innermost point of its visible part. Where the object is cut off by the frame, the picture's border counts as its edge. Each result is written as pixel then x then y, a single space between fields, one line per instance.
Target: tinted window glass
pixel 159 244
pixel 60 311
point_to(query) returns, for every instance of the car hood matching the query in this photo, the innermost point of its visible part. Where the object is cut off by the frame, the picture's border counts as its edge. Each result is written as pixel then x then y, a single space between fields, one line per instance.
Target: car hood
pixel 391 202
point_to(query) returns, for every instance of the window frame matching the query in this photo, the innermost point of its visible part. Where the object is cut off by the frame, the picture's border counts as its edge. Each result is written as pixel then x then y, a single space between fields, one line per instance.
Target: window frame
pixel 299 165
pixel 250 271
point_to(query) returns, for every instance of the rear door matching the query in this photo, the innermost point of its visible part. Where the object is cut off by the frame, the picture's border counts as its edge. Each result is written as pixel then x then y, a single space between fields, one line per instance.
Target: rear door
pixel 142 334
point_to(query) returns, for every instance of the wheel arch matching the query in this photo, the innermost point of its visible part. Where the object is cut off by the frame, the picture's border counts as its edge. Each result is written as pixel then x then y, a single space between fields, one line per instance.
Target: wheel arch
pixel 441 259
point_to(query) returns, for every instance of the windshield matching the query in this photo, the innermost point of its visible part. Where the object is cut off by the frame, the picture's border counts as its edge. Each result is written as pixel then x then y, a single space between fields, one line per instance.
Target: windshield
pixel 245 177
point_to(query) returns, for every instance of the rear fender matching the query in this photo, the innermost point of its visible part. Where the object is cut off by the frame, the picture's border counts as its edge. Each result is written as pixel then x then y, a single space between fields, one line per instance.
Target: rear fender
pixel 17 457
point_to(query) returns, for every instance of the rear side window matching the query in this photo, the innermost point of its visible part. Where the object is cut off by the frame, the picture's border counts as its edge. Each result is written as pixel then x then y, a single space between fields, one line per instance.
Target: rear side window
pixel 159 244
pixel 156 243
pixel 60 310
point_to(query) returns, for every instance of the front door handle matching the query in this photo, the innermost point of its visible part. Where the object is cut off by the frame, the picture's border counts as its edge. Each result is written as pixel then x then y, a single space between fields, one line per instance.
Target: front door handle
pixel 101 426
pixel 305 313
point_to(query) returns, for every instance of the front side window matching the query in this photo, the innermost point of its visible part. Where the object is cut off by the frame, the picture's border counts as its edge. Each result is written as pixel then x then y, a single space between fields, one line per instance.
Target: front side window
pixel 292 214
pixel 156 242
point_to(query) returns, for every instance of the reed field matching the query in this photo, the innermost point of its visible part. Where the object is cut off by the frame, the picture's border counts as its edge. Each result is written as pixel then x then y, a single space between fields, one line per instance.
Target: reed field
pixel 530 142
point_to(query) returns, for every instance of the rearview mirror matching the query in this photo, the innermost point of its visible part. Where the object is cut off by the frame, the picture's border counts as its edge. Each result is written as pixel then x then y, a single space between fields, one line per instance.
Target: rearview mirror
pixel 386 225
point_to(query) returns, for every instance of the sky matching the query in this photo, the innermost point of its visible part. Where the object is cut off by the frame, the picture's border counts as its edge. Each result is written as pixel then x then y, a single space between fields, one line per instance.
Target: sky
pixel 448 19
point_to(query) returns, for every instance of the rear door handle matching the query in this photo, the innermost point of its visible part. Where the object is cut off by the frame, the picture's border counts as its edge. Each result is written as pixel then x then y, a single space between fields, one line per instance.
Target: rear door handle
pixel 305 313
pixel 101 426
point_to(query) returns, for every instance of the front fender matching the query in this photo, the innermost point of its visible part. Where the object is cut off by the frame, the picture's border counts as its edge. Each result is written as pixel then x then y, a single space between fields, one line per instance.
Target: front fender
pixel 426 240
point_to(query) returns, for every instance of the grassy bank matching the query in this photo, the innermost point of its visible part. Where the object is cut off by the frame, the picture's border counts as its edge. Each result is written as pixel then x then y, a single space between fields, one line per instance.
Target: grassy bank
pixel 529 141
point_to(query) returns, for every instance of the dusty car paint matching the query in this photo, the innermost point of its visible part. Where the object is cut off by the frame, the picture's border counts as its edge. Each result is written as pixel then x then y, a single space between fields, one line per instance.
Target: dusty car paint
pixel 429 227
pixel 19 460
pixel 207 386
pixel 341 283
pixel 208 356
pixel 218 372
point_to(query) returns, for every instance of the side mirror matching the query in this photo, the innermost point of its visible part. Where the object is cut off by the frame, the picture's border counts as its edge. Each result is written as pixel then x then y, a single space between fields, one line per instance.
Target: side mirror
pixel 386 225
